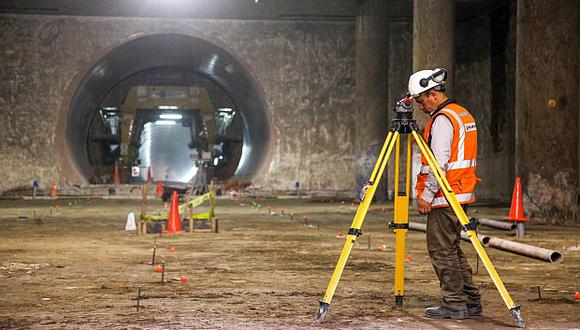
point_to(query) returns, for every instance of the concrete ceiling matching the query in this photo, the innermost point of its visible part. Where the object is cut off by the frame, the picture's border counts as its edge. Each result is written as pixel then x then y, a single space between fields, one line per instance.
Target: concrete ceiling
pixel 332 10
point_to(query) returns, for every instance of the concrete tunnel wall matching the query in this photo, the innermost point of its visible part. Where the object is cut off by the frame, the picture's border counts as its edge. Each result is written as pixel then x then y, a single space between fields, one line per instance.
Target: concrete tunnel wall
pixel 305 71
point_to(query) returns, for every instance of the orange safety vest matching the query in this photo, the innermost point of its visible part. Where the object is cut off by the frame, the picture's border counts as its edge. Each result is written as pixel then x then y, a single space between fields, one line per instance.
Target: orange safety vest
pixel 460 169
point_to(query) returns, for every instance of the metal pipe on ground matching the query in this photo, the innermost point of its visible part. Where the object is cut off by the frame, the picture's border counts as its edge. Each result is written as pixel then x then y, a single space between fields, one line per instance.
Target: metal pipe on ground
pixel 526 250
pixel 506 245
pixel 423 227
pixel 505 225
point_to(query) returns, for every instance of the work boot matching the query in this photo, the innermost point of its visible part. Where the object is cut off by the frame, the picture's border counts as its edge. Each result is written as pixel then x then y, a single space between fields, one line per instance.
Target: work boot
pixel 474 309
pixel 442 312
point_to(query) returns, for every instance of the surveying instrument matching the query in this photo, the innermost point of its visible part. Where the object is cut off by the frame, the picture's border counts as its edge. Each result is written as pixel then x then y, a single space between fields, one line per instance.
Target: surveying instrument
pixel 404 124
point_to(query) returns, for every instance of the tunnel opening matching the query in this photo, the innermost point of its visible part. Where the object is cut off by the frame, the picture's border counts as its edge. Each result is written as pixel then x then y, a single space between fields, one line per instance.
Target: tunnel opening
pixel 168 141
pixel 167 106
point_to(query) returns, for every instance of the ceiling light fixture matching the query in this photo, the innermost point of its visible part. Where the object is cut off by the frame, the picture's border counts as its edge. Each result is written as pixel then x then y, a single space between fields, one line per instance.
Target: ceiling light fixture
pixel 174 116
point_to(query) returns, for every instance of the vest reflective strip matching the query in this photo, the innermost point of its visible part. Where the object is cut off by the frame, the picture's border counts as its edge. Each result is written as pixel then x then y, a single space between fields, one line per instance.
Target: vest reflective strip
pixel 437 201
pixel 461 164
pixel 461 140
pixel 452 166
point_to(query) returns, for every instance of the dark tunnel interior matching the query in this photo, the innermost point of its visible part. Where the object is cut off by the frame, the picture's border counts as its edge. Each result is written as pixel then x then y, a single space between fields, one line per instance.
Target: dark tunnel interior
pixel 168 60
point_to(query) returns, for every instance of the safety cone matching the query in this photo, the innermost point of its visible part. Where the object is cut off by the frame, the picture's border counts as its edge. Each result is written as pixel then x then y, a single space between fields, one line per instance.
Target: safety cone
pixel 53 190
pixel 149 176
pixel 117 178
pixel 130 224
pixel 159 192
pixel 174 222
pixel 517 207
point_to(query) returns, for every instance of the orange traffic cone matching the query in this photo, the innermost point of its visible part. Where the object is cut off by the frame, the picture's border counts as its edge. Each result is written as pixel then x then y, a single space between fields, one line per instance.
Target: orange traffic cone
pixel 149 176
pixel 517 207
pixel 159 192
pixel 116 178
pixel 53 190
pixel 174 223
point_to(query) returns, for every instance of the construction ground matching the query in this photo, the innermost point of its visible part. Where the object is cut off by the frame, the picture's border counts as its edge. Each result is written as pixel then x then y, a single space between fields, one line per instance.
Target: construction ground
pixel 79 268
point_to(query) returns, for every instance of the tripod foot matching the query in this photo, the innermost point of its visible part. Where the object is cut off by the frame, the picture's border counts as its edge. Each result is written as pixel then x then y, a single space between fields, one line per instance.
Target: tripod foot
pixel 321 311
pixel 399 302
pixel 517 315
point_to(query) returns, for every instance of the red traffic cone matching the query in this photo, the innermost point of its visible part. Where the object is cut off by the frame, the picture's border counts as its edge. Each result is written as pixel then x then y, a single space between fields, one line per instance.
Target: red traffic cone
pixel 517 207
pixel 53 190
pixel 159 192
pixel 174 223
pixel 116 178
pixel 149 176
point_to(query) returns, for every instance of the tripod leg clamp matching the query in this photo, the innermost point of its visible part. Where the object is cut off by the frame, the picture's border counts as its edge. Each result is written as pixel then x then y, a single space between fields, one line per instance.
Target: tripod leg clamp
pixel 354 231
pixel 393 225
pixel 468 227
pixel 363 190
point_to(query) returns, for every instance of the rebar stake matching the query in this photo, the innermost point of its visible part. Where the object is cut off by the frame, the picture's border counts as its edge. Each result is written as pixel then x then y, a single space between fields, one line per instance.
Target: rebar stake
pixel 153 257
pixel 138 298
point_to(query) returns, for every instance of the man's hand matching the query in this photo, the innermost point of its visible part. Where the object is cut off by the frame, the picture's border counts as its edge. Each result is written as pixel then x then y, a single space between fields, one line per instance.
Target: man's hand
pixel 423 207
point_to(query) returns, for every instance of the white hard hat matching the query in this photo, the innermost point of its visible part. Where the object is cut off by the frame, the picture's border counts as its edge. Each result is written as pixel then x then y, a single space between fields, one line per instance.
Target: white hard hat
pixel 424 80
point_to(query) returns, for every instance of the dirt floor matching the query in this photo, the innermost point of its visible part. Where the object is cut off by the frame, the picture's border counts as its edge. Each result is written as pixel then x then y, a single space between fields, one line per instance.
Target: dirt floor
pixel 78 268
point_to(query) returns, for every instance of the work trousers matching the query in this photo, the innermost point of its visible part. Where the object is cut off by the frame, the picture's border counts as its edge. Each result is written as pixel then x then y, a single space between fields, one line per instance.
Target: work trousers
pixel 449 262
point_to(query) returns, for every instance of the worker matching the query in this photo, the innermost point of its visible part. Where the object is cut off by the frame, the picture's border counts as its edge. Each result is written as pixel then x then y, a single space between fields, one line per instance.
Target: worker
pixel 451 133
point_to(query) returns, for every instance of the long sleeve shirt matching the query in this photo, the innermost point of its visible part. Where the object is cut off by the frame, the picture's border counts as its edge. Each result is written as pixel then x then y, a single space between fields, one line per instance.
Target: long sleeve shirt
pixel 441 139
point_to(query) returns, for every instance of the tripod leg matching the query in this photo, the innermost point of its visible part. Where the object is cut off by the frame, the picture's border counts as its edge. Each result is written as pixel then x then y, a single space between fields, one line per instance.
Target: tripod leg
pixel 400 224
pixel 357 222
pixel 454 203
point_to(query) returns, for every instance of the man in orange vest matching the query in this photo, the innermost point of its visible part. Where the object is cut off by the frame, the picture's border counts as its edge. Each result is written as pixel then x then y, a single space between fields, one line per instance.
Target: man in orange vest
pixel 452 136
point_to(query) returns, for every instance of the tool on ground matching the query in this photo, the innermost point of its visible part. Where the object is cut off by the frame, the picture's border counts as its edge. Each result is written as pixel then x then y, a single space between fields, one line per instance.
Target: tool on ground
pixel 404 124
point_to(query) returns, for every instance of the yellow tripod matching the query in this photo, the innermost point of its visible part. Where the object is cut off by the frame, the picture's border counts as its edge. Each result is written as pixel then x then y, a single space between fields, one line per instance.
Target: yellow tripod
pixel 404 124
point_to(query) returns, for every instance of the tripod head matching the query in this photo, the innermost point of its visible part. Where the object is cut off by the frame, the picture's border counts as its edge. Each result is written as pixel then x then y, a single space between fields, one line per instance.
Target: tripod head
pixel 404 122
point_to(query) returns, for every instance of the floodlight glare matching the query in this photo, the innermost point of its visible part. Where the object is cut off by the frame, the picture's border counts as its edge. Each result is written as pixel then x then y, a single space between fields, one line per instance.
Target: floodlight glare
pixel 168 107
pixel 174 116
pixel 165 122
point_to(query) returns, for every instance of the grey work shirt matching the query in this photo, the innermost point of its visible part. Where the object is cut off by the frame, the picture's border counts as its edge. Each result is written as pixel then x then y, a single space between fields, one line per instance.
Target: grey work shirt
pixel 441 138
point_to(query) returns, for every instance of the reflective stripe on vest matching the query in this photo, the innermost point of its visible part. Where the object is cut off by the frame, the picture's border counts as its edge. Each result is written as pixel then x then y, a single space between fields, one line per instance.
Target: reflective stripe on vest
pixel 452 165
pixel 461 198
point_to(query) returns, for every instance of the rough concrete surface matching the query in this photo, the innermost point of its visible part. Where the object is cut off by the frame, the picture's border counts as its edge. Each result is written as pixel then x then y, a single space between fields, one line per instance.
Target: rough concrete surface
pixel 79 269
pixel 306 71
pixel 547 68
